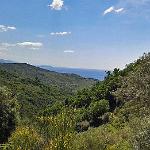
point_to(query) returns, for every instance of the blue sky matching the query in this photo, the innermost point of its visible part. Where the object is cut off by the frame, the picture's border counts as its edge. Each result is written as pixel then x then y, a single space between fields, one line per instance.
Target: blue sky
pixel 100 34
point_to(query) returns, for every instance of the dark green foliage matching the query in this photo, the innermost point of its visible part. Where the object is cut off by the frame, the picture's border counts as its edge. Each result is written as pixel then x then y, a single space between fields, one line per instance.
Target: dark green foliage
pixel 82 99
pixel 66 82
pixel 36 89
pixel 96 110
pixel 95 103
pixel 8 113
pixel 56 108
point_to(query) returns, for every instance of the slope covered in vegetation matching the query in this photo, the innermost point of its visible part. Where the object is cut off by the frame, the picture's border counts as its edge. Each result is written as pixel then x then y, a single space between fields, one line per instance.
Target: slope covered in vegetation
pixel 114 115
pixel 37 88
pixel 128 126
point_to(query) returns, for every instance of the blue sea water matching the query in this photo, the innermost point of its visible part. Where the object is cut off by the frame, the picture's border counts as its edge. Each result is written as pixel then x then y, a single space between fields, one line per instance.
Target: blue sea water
pixel 87 73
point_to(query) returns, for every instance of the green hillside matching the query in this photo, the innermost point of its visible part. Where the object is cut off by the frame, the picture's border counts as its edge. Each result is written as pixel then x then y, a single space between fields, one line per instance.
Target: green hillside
pixel 69 81
pixel 128 125
pixel 37 88
pixel 110 115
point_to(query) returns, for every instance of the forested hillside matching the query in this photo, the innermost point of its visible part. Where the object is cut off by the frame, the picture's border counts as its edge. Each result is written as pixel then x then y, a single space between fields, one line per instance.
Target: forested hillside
pixel 110 115
pixel 37 88
pixel 128 125
pixel 69 81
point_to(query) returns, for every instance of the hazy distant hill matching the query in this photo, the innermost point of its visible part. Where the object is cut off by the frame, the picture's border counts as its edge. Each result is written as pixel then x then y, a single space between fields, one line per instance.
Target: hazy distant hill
pixel 87 73
pixel 3 61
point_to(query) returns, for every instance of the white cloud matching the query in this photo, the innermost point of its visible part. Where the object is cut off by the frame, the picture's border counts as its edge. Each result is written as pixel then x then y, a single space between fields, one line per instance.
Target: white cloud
pixel 60 33
pixel 4 28
pixel 56 4
pixel 113 10
pixel 69 51
pixel 11 28
pixel 28 45
pixel 119 10
pixel 109 10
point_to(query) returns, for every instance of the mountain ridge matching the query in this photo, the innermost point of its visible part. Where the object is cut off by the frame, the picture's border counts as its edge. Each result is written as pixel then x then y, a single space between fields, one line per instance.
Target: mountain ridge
pixel 83 72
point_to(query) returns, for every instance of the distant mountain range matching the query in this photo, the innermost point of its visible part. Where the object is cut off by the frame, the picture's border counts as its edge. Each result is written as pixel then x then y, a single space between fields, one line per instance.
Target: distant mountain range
pixel 86 73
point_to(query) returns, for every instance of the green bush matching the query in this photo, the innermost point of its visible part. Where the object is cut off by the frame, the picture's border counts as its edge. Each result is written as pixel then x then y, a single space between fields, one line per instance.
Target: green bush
pixel 58 131
pixel 8 113
pixel 104 138
pixel 96 110
pixel 25 138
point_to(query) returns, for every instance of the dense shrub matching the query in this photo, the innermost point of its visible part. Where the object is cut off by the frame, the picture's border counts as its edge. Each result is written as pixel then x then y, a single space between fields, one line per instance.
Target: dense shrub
pixel 25 138
pixel 104 138
pixel 8 113
pixel 96 110
pixel 53 110
pixel 58 131
pixel 141 133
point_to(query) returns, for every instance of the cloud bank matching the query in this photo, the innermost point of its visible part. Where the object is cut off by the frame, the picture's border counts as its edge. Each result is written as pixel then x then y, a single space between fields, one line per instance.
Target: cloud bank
pixel 4 28
pixel 28 45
